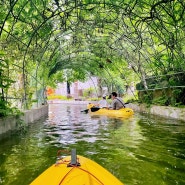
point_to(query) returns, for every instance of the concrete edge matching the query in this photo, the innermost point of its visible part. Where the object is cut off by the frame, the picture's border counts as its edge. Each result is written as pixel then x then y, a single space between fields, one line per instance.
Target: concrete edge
pixel 35 114
pixel 164 111
pixel 12 122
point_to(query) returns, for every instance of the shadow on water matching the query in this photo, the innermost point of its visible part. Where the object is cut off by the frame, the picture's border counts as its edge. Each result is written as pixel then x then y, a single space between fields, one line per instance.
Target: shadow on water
pixel 143 149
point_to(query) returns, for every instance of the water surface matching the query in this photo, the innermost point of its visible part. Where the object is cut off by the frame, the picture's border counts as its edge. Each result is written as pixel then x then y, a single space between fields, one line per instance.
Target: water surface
pixel 142 150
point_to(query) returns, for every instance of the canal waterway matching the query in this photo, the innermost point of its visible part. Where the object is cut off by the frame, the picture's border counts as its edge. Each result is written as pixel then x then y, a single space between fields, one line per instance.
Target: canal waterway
pixel 142 150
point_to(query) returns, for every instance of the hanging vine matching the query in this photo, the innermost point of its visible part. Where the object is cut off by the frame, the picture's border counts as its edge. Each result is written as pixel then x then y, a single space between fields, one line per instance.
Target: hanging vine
pixel 47 36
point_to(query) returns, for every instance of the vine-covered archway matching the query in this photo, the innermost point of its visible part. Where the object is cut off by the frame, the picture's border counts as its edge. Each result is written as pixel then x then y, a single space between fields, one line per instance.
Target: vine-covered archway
pixel 118 41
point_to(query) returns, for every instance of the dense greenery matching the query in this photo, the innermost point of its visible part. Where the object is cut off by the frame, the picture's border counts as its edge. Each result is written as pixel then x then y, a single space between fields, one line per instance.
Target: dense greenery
pixel 43 42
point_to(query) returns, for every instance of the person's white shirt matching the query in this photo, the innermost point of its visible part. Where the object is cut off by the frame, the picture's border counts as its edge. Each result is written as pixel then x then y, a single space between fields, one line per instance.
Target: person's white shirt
pixel 102 103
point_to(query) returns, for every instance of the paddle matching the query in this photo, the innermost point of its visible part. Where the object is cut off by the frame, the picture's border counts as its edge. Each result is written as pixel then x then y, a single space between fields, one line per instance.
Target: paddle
pixel 94 109
pixel 86 111
pixel 89 106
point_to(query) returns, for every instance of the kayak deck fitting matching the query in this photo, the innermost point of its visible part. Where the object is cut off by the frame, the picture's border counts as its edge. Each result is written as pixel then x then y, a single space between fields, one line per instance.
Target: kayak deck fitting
pixel 76 170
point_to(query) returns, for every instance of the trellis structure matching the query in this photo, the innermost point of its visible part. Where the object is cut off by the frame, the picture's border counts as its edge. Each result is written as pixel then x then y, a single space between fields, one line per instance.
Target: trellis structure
pixel 117 40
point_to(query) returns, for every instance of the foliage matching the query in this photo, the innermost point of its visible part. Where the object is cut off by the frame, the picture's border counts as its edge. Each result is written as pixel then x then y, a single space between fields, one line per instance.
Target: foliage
pixel 7 110
pixel 87 93
pixel 58 97
pixel 92 99
pixel 5 83
pixel 130 98
pixel 165 97
pixel 171 87
pixel 47 42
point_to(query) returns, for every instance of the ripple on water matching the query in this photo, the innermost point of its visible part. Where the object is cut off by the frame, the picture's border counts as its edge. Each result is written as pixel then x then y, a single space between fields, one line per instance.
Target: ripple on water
pixel 140 150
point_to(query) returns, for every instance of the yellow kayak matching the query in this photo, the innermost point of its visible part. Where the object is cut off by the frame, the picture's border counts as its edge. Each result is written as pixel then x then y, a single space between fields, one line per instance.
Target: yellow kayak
pixel 124 112
pixel 77 170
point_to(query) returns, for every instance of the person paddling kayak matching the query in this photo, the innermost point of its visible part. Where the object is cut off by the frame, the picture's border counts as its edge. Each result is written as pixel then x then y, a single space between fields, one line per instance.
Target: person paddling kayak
pixel 102 103
pixel 117 102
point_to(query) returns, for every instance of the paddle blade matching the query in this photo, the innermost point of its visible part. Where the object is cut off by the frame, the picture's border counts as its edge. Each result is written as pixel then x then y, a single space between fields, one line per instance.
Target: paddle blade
pixel 94 109
pixel 86 111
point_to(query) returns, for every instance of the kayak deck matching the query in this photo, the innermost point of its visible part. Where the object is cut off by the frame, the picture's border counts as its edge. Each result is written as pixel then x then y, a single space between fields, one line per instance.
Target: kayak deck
pixel 87 172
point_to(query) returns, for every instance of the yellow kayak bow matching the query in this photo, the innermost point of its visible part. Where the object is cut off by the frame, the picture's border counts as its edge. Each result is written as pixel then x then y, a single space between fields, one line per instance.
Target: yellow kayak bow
pixel 76 170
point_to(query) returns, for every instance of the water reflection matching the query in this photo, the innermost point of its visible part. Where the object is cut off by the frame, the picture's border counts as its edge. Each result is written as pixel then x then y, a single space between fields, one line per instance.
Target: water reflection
pixel 139 150
pixel 70 126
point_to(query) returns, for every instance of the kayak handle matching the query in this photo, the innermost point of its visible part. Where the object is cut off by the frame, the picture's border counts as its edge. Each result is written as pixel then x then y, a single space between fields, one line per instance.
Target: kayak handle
pixel 73 161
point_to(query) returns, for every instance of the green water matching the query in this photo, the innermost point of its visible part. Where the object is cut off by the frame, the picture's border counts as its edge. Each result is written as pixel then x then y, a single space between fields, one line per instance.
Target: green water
pixel 140 150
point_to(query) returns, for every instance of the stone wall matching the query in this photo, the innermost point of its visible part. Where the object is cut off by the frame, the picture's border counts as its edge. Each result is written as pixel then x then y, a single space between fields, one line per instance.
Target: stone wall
pixel 164 111
pixel 7 124
pixel 35 114
pixel 12 123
